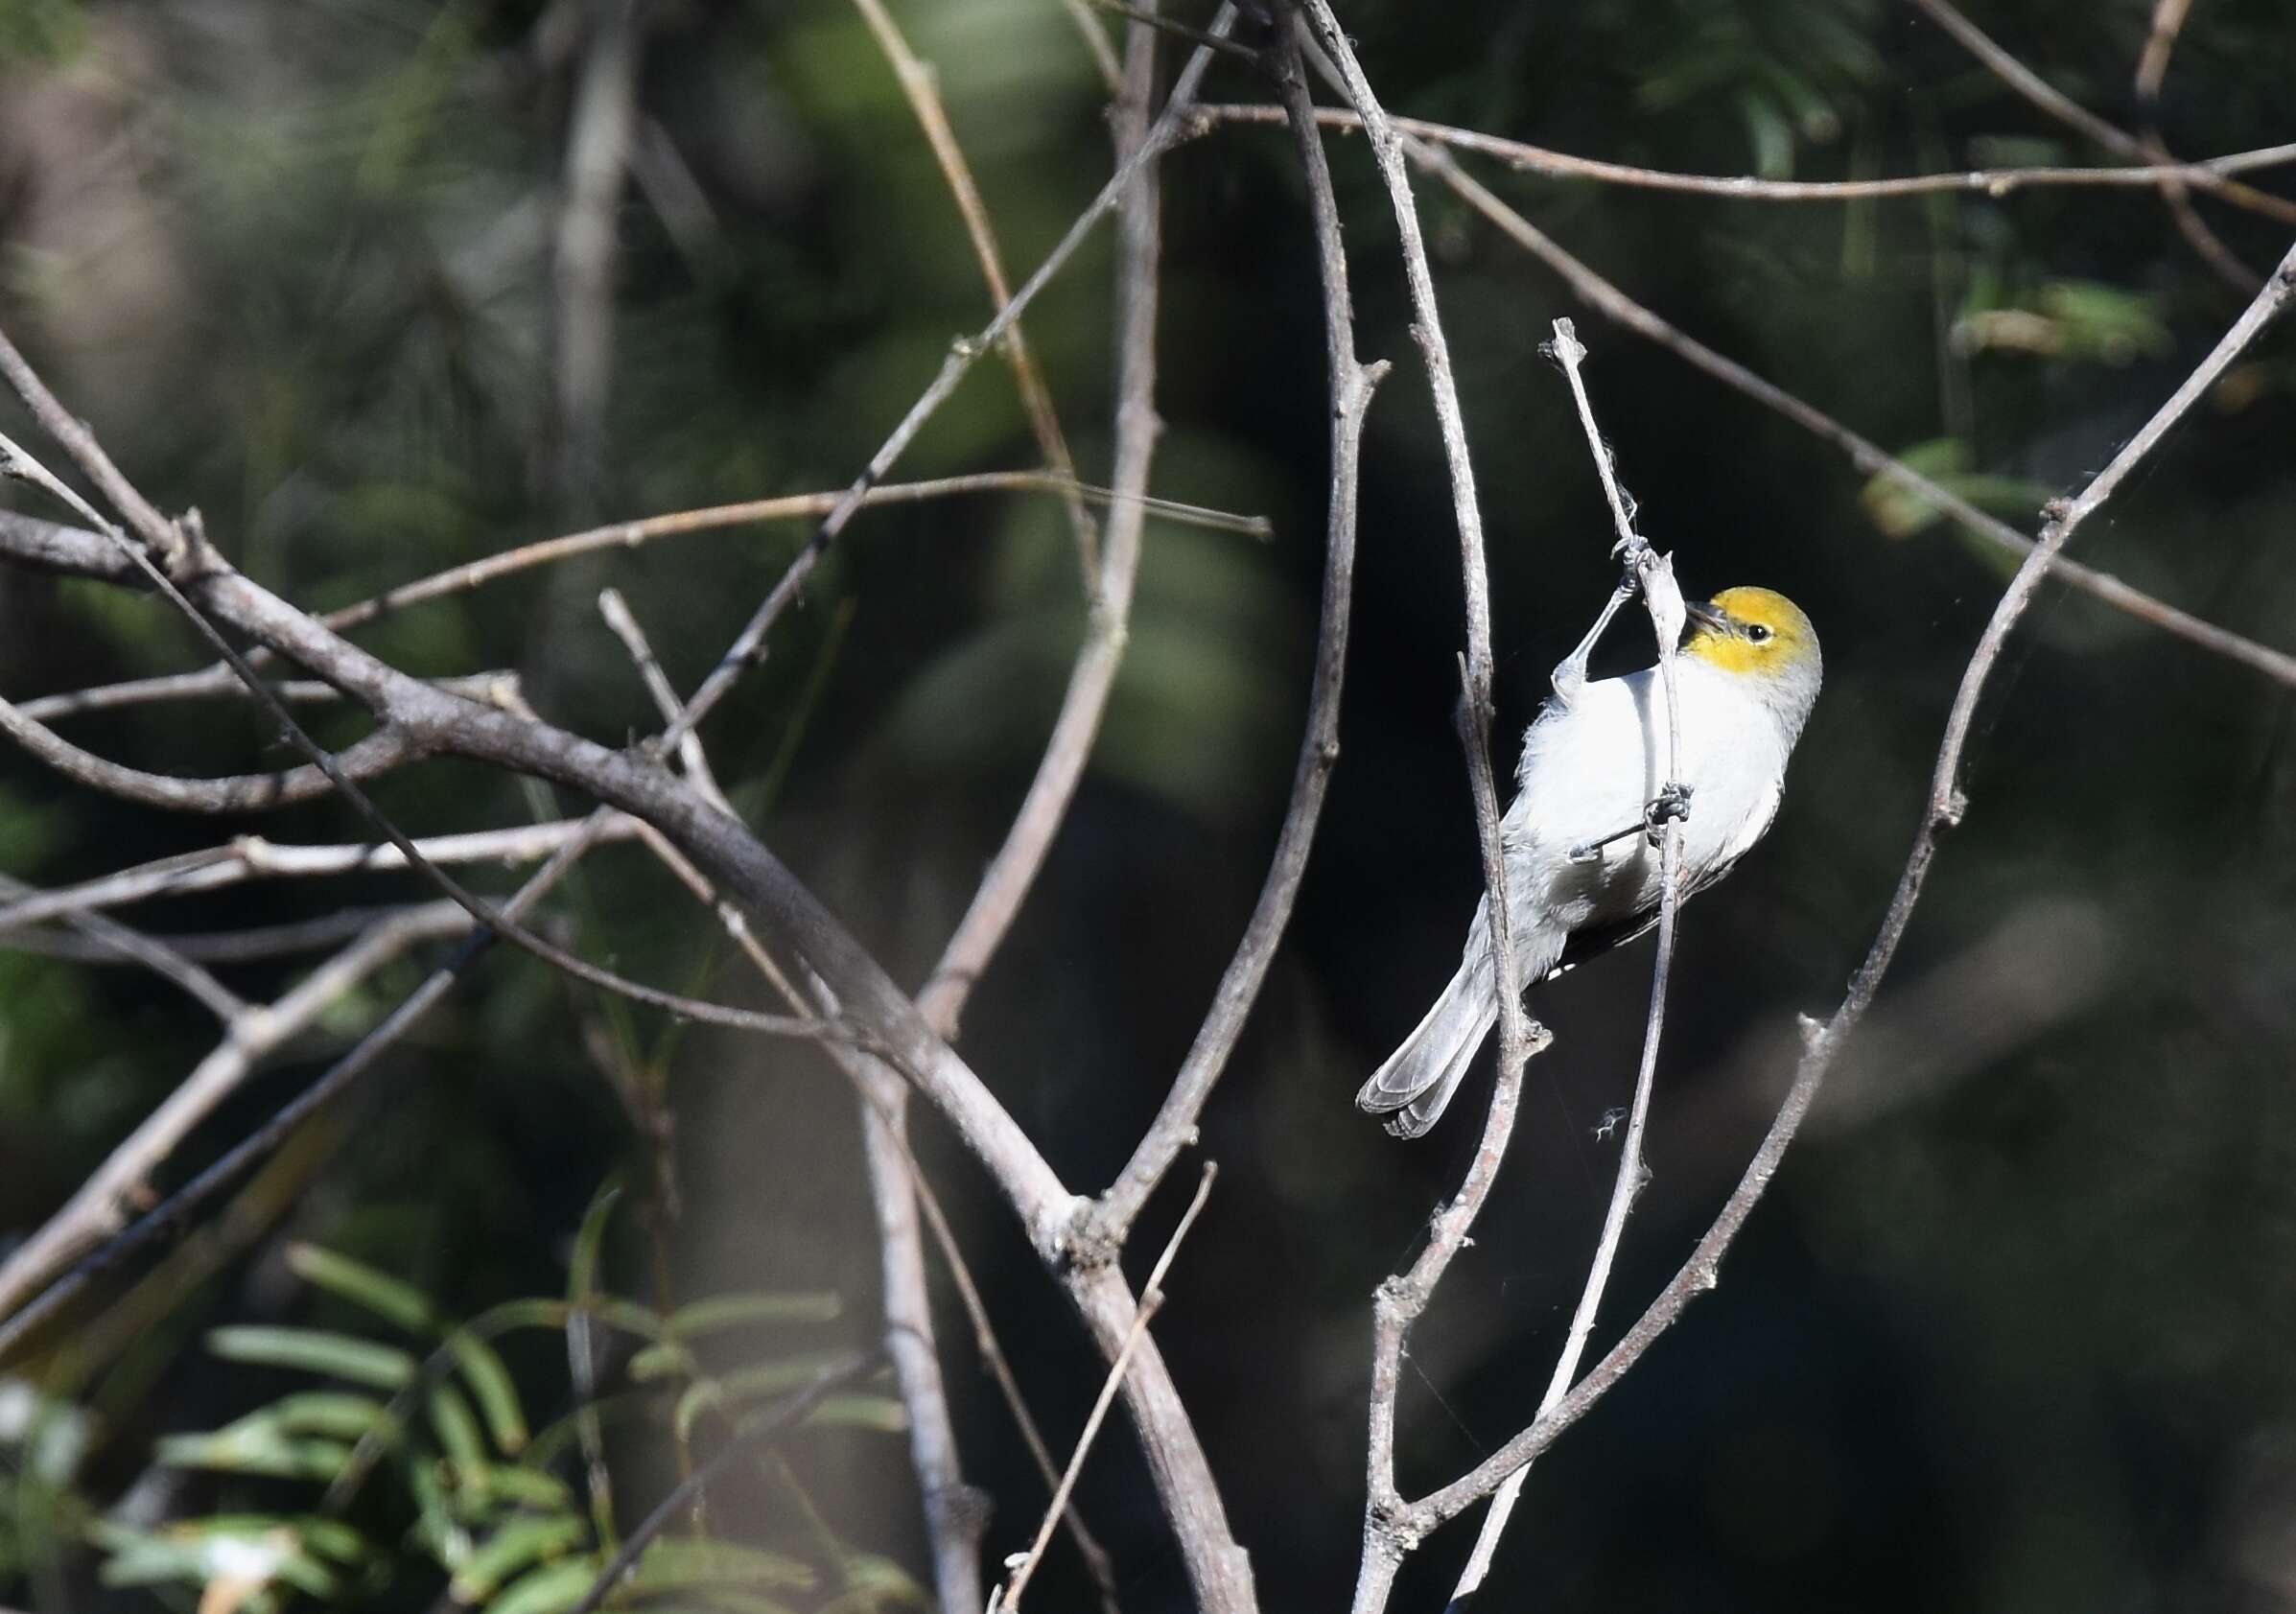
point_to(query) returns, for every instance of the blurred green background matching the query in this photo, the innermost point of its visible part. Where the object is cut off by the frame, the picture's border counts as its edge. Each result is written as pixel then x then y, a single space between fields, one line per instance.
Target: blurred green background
pixel 2011 1331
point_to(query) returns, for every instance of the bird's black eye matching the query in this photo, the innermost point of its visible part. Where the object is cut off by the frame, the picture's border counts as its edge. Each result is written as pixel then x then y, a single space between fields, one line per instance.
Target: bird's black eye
pixel 1757 633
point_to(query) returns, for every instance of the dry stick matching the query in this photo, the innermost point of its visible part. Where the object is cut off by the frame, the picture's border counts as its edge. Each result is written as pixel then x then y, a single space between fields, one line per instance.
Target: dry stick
pixel 917 84
pixel 1866 455
pixel 246 858
pixel 1526 158
pixel 499 689
pixel 2152 67
pixel 98 1208
pixel 1152 1300
pixel 2038 91
pixel 600 131
pixel 1944 807
pixel 112 941
pixel 1664 600
pixel 1401 1300
pixel 550 551
pixel 1352 384
pixel 996 900
pixel 1095 39
pixel 955 1512
pixel 773 1422
pixel 249 945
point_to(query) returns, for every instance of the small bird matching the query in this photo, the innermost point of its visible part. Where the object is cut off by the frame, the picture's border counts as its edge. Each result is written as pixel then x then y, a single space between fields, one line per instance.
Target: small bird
pixel 1582 872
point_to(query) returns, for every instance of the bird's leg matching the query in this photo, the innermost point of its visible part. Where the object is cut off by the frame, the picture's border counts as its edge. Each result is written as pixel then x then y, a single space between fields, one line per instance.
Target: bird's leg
pixel 1672 802
pixel 1570 673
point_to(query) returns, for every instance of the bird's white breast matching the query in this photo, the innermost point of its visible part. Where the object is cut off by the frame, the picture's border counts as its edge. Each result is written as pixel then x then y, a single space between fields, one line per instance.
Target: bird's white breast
pixel 1591 764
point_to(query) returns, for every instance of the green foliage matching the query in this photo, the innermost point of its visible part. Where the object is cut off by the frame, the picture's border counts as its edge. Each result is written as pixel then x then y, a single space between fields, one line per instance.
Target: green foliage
pixel 444 1451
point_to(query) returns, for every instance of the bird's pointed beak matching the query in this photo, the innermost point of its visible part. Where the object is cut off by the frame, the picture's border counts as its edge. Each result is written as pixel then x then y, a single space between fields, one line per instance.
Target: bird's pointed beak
pixel 1704 615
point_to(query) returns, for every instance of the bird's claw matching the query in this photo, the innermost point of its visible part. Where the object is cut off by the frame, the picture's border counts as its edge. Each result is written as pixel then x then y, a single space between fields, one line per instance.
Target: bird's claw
pixel 1672 805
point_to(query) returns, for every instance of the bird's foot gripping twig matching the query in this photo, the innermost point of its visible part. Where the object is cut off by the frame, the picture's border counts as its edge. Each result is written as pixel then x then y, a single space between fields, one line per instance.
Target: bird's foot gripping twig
pixel 1672 804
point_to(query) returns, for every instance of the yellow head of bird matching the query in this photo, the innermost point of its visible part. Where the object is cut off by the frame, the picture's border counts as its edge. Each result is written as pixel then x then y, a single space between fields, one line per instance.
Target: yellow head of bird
pixel 1764 638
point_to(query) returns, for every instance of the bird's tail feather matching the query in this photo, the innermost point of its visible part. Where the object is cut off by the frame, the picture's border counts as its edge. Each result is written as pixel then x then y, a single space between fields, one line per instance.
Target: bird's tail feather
pixel 1419 1077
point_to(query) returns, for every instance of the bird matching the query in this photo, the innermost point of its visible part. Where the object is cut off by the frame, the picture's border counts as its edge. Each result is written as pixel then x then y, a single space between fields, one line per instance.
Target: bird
pixel 1583 874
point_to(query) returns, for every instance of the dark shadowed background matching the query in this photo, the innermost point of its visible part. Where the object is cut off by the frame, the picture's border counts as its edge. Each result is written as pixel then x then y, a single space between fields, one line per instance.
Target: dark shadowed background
pixel 2010 1332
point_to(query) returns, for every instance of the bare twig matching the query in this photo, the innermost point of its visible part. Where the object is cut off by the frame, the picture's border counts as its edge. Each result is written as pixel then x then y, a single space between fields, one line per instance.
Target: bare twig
pixel 28 540
pixel 1944 807
pixel 110 939
pixel 98 1208
pixel 600 133
pixel 917 84
pixel 1526 158
pixel 997 902
pixel 1152 1300
pixel 1403 1298
pixel 2160 42
pixel 1664 602
pixel 1352 384
pixel 1866 455
pixel 245 858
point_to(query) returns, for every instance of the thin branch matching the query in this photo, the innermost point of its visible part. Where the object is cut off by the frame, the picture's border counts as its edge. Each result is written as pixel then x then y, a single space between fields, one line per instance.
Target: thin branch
pixel 1096 45
pixel 918 83
pixel 1401 1300
pixel 1944 807
pixel 1868 456
pixel 246 858
pixel 2160 42
pixel 378 753
pixel 600 133
pixel 497 688
pixel 997 902
pixel 1526 158
pixel 1152 1300
pixel 38 543
pixel 111 941
pixel 1351 383
pixel 98 1208
pixel 1665 605
pixel 251 945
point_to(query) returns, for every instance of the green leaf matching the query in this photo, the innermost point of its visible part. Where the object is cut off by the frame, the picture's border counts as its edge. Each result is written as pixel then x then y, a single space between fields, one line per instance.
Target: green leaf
pixel 550 1590
pixel 395 1301
pixel 457 1430
pixel 670 1563
pixel 314 1351
pixel 334 1413
pixel 515 1547
pixel 490 1382
pixel 737 1310
pixel 880 1412
pixel 255 1447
